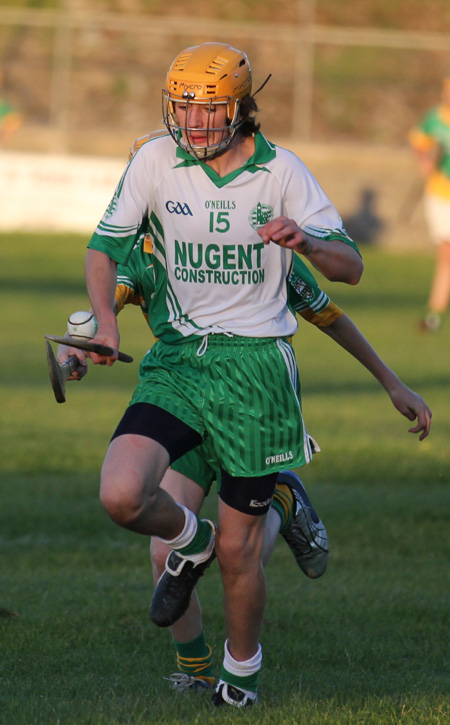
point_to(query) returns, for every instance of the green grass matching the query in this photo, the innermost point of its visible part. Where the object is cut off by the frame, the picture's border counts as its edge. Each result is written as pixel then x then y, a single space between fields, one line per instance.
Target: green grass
pixel 367 644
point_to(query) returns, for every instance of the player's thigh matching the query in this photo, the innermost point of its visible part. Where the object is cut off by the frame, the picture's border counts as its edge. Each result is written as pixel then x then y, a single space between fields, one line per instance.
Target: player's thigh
pixel 143 444
pixel 133 468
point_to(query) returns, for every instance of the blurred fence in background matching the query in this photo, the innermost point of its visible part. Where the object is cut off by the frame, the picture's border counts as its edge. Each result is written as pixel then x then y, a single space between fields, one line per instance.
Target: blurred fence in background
pixel 88 81
pixel 343 94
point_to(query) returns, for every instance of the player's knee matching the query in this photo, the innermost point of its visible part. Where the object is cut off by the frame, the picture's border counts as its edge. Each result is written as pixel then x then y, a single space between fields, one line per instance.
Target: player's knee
pixel 237 554
pixel 122 510
pixel 123 503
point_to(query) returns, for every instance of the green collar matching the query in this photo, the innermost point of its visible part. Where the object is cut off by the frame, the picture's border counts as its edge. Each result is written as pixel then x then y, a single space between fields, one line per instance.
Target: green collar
pixel 264 152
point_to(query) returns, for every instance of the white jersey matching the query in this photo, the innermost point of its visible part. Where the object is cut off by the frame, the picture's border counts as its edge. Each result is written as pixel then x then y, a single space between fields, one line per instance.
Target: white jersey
pixel 213 273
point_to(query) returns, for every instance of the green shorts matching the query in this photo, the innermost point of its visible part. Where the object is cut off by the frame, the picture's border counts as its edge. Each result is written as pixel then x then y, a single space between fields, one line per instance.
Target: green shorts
pixel 242 395
pixel 194 465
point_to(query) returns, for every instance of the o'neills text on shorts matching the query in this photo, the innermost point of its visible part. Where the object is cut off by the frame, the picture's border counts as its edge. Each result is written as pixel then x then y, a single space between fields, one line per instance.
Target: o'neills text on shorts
pixel 279 458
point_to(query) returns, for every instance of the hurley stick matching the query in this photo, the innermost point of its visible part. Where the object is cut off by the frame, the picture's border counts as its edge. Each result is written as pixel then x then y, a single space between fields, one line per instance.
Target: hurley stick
pixel 89 346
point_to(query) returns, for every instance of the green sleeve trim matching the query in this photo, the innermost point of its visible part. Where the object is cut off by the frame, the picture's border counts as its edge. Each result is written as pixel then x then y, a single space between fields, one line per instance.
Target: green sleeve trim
pixel 117 249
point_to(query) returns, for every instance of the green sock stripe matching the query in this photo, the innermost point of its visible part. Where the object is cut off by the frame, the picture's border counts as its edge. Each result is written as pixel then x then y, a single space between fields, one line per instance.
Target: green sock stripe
pixel 195 648
pixel 200 540
pixel 195 666
pixel 249 682
pixel 283 504
pixel 194 657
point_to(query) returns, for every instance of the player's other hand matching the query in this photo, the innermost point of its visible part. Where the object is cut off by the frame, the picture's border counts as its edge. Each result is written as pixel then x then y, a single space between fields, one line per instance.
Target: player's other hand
pixel 64 352
pixel 413 406
pixel 286 233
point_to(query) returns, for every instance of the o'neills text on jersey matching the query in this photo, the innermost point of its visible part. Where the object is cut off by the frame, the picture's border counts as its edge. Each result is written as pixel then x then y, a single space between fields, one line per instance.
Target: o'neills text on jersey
pixel 220 204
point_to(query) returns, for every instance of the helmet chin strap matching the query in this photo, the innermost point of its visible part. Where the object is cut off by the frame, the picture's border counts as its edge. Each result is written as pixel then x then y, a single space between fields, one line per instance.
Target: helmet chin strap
pixel 207 153
pixel 262 86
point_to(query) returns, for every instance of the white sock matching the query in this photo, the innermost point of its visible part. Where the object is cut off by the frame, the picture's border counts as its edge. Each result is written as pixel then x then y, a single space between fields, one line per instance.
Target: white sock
pixel 187 534
pixel 245 668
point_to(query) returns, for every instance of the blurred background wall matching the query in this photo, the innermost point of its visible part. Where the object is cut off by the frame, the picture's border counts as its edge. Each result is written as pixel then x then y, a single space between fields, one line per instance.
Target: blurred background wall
pixel 349 79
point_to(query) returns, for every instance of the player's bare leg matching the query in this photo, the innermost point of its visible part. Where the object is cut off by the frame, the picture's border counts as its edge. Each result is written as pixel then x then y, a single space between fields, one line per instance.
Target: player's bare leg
pixel 133 469
pixel 238 547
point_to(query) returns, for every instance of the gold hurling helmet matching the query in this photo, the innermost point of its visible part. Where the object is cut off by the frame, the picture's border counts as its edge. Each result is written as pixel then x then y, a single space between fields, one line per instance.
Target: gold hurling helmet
pixel 210 74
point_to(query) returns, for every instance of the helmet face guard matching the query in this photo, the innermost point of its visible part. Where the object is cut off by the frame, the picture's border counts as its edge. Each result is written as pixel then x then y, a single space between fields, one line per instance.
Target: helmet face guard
pixel 212 74
pixel 182 133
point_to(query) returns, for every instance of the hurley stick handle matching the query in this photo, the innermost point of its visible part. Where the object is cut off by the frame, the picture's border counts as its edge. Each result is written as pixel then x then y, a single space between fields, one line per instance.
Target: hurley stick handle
pixel 89 346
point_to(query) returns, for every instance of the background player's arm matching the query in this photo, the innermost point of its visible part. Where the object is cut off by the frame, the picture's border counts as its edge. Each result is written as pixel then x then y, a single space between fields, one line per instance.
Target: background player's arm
pixel 426 161
pixel 406 401
pixel 311 303
pixel 426 149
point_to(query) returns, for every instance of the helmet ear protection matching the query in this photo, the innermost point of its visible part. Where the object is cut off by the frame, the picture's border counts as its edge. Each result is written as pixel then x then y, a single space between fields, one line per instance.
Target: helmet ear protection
pixel 209 74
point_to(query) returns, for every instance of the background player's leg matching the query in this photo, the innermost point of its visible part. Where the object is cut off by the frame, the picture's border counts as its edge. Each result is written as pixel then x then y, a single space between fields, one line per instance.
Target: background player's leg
pixel 272 529
pixel 185 491
pixel 194 656
pixel 440 290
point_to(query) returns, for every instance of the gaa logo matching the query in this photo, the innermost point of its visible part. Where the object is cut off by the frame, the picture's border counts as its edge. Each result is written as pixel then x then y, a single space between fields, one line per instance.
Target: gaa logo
pixel 176 207
pixel 260 215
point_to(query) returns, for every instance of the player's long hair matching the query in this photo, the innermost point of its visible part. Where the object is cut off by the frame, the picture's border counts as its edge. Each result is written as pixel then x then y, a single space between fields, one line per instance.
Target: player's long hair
pixel 247 111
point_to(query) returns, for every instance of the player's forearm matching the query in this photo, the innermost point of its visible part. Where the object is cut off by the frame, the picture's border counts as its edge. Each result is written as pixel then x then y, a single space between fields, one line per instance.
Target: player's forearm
pixel 337 261
pixel 406 401
pixel 101 279
pixel 116 308
pixel 345 333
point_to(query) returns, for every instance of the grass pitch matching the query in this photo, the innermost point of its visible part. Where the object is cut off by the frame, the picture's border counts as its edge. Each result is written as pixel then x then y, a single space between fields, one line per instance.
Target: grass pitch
pixel 368 643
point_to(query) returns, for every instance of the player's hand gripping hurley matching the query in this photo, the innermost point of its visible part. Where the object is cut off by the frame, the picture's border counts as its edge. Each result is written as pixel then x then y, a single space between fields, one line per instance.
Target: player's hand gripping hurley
pixel 60 373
